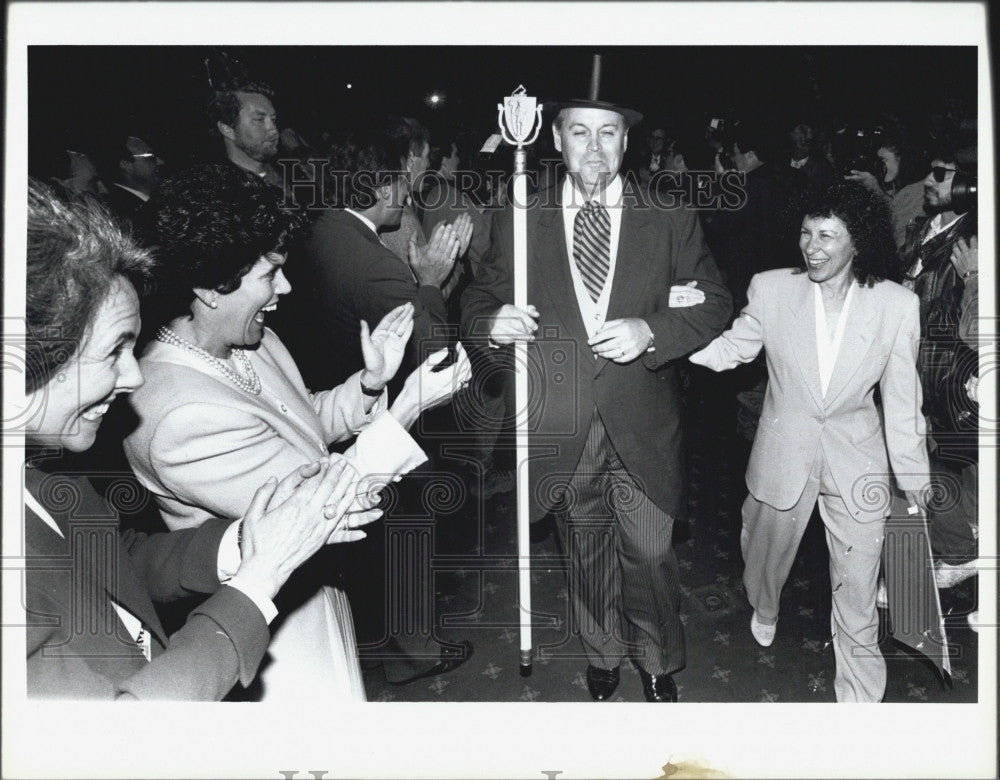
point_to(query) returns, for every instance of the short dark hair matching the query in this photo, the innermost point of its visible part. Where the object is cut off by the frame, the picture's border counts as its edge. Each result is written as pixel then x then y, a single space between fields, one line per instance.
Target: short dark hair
pixel 224 104
pixel 371 157
pixel 210 225
pixel 753 136
pixel 868 221
pixel 76 253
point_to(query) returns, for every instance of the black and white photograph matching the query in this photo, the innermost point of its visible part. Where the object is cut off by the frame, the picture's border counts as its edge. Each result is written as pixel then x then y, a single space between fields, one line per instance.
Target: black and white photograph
pixel 428 389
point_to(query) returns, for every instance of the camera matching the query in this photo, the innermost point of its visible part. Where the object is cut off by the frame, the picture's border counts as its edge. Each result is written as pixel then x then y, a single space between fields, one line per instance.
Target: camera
pixel 856 150
pixel 964 192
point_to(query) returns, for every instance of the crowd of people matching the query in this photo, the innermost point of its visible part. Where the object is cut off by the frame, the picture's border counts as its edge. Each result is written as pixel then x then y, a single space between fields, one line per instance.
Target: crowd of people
pixel 314 316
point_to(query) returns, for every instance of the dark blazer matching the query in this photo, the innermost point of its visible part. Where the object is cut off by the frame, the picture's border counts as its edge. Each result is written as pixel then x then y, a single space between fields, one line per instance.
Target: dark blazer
pixel 640 402
pixel 946 362
pixel 344 275
pixel 77 646
pixel 123 203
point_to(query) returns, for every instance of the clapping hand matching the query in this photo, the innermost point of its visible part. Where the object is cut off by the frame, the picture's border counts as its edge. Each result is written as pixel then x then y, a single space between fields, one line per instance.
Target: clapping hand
pixel 463 229
pixel 432 262
pixel 288 522
pixel 430 386
pixel 383 349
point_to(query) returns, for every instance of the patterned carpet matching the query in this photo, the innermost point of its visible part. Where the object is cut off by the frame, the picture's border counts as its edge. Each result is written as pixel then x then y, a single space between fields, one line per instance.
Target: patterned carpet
pixel 476 599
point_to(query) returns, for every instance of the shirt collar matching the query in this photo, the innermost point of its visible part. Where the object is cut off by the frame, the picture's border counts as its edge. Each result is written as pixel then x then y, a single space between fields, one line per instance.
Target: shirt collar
pixel 611 197
pixel 140 195
pixel 364 219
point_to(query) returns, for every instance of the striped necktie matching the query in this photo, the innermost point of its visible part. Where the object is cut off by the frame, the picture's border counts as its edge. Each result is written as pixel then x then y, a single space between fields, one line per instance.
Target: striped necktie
pixel 592 246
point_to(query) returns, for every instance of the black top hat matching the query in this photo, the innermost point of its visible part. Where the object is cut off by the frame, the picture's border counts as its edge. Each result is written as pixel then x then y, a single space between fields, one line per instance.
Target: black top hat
pixel 632 117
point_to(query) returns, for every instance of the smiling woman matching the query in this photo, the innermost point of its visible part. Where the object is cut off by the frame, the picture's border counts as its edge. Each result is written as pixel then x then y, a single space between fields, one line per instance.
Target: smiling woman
pixel 831 337
pixel 225 408
pixel 80 286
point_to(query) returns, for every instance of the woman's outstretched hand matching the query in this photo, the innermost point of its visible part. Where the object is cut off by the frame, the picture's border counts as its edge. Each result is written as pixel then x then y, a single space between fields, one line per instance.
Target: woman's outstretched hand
pixel 383 348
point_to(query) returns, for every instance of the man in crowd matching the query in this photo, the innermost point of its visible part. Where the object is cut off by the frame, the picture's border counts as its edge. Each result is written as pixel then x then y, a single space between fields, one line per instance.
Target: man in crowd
pixel 134 170
pixel 942 264
pixel 345 274
pixel 248 125
pixel 607 439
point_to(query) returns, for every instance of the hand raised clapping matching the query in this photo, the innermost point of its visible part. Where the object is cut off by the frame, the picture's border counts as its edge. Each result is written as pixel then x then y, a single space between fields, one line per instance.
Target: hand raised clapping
pixel 383 349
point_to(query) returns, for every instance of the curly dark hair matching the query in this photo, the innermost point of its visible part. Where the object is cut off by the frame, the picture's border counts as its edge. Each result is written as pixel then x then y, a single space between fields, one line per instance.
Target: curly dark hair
pixel 868 221
pixel 209 225
pixel 76 252
pixel 224 104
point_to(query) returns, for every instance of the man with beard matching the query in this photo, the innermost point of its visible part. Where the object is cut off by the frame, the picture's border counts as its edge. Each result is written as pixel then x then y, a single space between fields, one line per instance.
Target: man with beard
pixel 248 124
pixel 941 258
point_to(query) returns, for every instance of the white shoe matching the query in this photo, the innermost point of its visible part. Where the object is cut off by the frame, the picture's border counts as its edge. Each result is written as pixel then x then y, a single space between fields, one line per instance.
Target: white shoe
pixel 764 634
pixel 948 576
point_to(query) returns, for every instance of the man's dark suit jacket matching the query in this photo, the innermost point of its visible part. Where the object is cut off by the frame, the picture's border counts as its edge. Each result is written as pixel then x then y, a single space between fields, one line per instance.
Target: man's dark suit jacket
pixel 77 646
pixel 345 275
pixel 639 402
pixel 123 203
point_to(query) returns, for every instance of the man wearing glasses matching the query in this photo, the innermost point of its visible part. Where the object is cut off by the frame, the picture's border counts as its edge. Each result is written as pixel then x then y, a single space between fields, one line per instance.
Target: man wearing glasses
pixel 136 172
pixel 942 261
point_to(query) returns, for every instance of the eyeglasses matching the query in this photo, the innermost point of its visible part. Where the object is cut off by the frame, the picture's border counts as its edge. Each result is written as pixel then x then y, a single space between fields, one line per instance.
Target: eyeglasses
pixel 940 171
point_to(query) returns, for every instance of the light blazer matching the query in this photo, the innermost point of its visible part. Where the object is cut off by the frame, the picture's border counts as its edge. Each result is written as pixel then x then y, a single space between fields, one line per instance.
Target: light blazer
pixel 78 648
pixel 879 348
pixel 203 446
pixel 639 402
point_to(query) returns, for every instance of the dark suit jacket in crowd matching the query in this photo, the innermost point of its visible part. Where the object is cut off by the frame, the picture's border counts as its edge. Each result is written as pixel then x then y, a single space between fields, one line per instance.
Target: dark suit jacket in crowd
pixel 123 203
pixel 78 647
pixel 344 275
pixel 639 402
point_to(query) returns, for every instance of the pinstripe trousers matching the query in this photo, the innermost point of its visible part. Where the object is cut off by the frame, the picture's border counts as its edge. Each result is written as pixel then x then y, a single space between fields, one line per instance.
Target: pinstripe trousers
pixel 623 582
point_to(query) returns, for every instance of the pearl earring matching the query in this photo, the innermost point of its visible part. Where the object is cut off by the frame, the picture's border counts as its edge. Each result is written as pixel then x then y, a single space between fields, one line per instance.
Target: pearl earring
pixel 213 303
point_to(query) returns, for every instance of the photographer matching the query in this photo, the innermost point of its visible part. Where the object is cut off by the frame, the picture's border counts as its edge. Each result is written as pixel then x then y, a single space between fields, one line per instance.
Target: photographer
pixel 941 255
pixel 894 173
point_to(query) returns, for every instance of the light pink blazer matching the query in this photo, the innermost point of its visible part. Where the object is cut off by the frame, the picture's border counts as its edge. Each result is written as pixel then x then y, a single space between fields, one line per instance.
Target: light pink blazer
pixel 203 446
pixel 879 348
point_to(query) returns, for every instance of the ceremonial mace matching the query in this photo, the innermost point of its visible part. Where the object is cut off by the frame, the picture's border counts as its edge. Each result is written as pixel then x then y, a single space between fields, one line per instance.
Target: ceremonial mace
pixel 519 117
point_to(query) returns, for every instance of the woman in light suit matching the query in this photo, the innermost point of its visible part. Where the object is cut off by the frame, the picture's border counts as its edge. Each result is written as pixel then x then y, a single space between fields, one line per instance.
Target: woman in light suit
pixel 831 335
pixel 224 406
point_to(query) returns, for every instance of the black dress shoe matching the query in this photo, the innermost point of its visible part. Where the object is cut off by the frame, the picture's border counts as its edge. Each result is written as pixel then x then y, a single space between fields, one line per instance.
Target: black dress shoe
pixel 658 687
pixel 452 657
pixel 602 683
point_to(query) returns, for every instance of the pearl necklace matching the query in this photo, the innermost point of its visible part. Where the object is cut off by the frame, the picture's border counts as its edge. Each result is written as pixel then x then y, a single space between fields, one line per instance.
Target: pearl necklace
pixel 249 383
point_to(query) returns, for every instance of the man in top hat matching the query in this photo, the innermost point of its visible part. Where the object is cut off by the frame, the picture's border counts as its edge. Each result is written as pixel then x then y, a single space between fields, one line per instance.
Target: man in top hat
pixel 605 426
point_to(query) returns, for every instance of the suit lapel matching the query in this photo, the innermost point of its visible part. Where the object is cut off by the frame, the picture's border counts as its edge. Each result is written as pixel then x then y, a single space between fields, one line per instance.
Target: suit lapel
pixel 856 342
pixel 801 334
pixel 634 251
pixel 118 577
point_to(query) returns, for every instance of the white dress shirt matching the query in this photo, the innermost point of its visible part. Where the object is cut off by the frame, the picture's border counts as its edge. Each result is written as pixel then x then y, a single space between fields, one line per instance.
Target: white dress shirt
pixel 594 312
pixel 827 347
